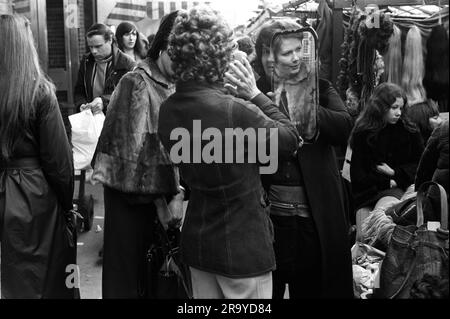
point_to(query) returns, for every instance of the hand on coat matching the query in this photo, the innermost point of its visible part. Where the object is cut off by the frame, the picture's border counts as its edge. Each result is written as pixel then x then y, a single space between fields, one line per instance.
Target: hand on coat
pixel 384 168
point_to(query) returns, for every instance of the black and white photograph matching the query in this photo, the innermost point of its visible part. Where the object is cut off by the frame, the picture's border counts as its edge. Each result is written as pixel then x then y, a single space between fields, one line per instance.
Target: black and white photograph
pixel 231 157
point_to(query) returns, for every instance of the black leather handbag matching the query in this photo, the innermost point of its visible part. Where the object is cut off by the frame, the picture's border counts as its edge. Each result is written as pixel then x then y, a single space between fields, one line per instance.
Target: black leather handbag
pixel 168 277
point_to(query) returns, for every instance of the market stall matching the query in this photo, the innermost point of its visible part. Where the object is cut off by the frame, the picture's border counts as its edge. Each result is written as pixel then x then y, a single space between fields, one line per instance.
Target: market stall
pixel 399 42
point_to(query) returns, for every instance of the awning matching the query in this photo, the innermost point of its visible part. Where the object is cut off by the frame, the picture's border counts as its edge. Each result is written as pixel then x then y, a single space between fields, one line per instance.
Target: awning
pixel 137 10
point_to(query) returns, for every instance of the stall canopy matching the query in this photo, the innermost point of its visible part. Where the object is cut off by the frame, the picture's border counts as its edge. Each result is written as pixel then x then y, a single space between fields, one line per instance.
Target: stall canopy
pixel 145 14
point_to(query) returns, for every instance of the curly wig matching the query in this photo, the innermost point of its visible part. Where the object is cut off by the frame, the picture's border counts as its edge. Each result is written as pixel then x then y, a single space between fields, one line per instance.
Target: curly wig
pixel 200 46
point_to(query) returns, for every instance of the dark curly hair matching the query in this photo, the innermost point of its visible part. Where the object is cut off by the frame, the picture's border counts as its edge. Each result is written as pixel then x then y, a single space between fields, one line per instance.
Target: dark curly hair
pixel 200 46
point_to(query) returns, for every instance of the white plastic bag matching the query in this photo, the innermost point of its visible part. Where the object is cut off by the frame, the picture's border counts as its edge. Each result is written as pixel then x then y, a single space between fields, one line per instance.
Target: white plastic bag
pixel 86 129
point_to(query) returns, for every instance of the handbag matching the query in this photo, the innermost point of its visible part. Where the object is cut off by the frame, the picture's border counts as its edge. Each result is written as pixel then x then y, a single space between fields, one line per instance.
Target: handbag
pixel 168 277
pixel 416 253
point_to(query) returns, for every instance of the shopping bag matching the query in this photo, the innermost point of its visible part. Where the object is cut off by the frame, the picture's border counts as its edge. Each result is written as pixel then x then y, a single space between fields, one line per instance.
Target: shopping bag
pixel 297 91
pixel 416 252
pixel 167 276
pixel 86 128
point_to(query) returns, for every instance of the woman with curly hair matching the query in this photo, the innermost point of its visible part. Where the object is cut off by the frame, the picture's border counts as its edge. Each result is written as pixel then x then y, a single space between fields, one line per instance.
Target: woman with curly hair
pixel 226 238
pixel 386 149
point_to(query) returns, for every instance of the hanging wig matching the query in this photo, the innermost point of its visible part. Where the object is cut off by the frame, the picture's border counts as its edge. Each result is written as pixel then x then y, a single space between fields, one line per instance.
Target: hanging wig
pixel 436 74
pixel 413 67
pixel 393 58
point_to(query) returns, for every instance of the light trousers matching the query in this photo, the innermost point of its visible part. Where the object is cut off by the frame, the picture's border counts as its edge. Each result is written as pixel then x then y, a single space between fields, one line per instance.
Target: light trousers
pixel 206 285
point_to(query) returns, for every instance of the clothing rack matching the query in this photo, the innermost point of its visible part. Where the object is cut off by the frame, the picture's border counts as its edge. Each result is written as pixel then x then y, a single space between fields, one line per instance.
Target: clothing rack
pixel 338 25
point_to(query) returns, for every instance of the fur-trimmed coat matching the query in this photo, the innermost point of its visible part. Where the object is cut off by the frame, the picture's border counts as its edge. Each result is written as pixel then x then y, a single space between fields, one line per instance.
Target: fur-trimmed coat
pixel 130 157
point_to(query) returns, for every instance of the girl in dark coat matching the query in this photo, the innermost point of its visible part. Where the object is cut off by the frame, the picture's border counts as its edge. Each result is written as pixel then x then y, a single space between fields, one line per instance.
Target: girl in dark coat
pixel 36 174
pixel 312 246
pixel 386 148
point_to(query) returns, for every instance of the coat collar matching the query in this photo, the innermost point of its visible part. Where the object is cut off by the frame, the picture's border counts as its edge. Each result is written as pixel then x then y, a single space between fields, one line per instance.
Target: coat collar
pixel 152 70
pixel 120 60
pixel 193 86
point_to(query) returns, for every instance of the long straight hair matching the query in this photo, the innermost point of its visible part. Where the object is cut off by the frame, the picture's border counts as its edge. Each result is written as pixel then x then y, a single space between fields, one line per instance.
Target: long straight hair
pixel 22 81
pixel 394 57
pixel 413 67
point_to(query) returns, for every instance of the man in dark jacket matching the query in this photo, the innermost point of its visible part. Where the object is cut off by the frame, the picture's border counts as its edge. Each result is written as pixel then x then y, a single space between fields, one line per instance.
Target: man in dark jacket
pixel 100 70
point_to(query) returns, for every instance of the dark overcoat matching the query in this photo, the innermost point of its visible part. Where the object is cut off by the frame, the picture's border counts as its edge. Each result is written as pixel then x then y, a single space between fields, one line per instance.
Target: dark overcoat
pixel 36 188
pixel 325 193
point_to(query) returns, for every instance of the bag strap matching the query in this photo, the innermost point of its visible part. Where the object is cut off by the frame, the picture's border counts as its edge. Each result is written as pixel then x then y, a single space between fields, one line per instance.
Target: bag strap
pixel 421 193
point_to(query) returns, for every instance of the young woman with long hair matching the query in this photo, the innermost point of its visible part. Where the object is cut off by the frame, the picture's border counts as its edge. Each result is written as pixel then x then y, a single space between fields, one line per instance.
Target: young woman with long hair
pixel 130 42
pixel 36 173
pixel 386 149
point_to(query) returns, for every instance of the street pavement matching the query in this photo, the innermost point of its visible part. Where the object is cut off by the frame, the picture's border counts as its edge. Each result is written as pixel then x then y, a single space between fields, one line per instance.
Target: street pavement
pixel 89 245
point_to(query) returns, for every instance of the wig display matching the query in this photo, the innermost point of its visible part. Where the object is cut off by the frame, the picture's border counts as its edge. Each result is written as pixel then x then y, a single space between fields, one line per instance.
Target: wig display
pixel 358 65
pixel 348 78
pixel 393 58
pixel 436 74
pixel 413 67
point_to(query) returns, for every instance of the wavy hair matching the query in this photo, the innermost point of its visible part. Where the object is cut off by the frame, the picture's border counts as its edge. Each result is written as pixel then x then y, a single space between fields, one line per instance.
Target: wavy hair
pixel 200 46
pixel 264 39
pixel 22 81
pixel 413 67
pixel 394 57
pixel 372 117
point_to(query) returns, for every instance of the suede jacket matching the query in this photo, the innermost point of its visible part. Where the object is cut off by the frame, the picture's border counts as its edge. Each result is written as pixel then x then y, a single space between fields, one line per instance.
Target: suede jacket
pixel 227 229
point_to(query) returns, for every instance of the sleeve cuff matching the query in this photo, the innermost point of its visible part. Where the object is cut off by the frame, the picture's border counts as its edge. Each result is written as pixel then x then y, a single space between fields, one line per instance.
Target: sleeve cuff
pixel 261 100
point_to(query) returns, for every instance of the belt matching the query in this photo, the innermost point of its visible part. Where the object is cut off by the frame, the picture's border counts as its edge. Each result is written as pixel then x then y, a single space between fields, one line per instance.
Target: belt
pixel 290 201
pixel 287 209
pixel 20 163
